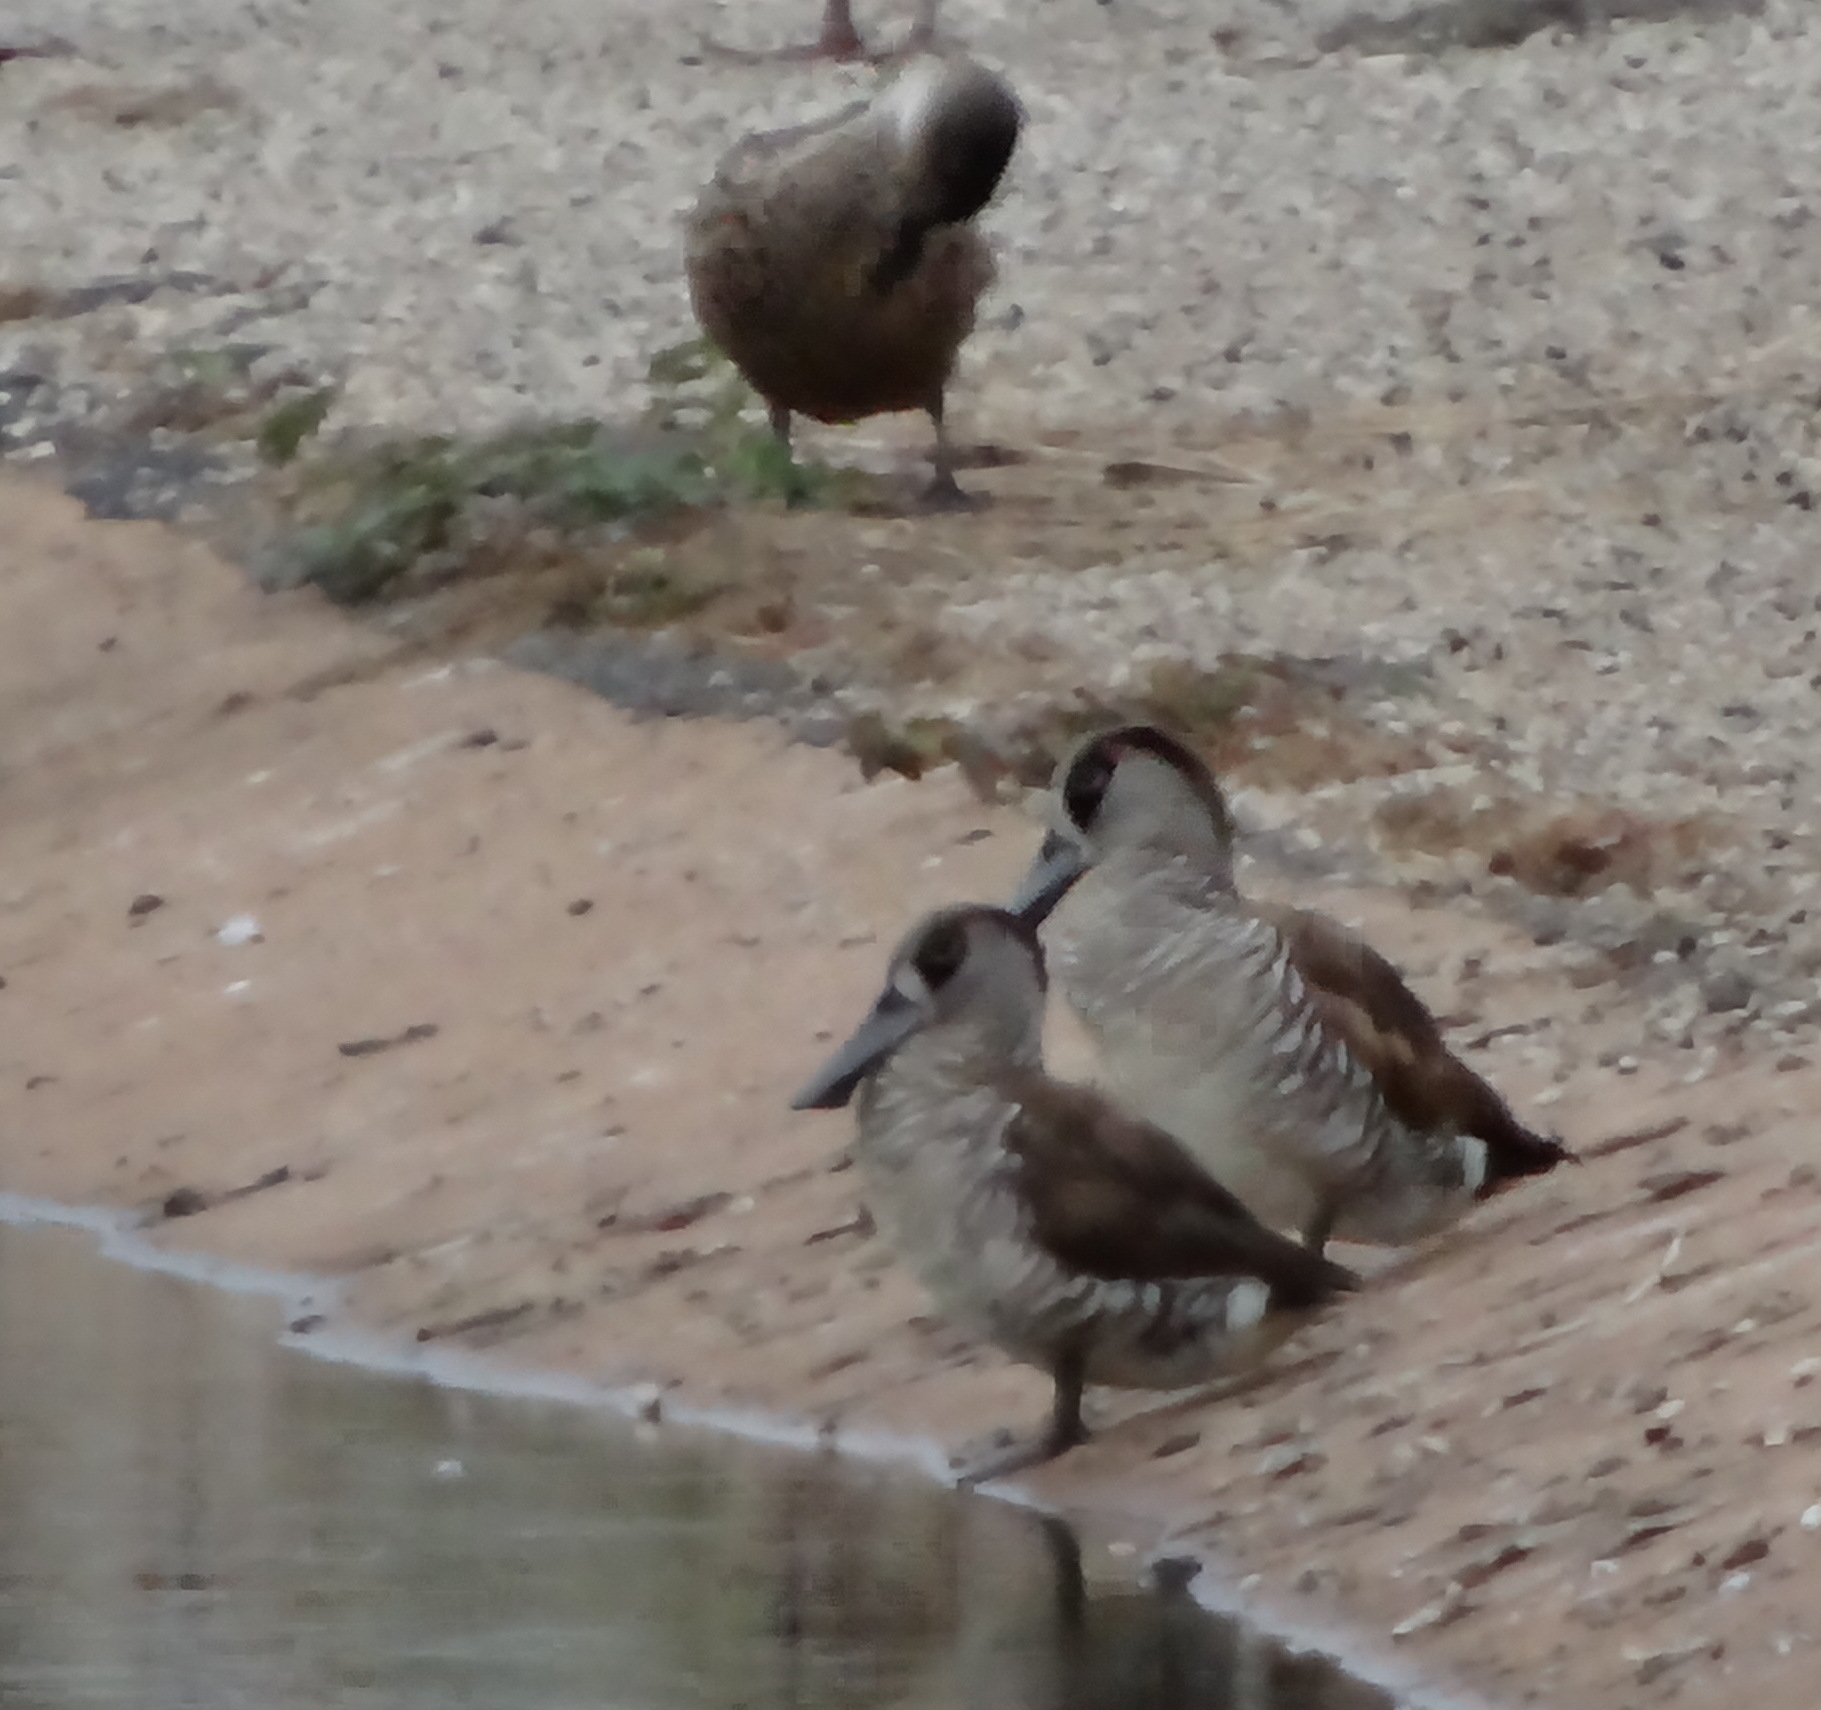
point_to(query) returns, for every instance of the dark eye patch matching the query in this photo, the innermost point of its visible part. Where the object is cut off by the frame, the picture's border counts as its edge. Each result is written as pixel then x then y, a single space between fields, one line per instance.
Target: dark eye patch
pixel 1087 782
pixel 1093 771
pixel 940 955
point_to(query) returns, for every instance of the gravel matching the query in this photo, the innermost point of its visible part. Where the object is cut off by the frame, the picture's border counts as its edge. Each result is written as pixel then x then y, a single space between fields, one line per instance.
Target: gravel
pixel 473 207
pixel 1504 361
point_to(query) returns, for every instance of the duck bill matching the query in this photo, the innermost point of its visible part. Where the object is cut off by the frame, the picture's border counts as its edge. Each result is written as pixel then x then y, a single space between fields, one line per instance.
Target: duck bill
pixel 1060 862
pixel 893 1020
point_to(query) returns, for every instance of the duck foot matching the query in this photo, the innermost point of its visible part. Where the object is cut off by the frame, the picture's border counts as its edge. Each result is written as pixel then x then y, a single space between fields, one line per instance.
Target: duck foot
pixel 1064 1431
pixel 945 494
pixel 839 41
pixel 918 41
pixel 842 50
pixel 1009 1456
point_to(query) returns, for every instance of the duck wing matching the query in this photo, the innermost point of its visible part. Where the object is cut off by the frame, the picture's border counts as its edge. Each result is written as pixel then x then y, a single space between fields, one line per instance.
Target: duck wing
pixel 1119 1198
pixel 1365 1001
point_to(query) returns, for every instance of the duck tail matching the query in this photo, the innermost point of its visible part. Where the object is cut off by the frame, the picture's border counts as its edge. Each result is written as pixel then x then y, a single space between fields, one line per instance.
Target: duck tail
pixel 1514 1151
pixel 1310 1280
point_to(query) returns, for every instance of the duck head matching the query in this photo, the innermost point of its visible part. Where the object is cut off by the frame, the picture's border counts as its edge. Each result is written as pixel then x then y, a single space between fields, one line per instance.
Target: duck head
pixel 955 124
pixel 970 967
pixel 1132 787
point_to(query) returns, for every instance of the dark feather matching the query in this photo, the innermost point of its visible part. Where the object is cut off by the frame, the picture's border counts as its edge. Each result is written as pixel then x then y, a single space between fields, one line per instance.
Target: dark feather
pixel 1119 1198
pixel 901 257
pixel 1388 1028
pixel 960 160
pixel 965 151
pixel 839 274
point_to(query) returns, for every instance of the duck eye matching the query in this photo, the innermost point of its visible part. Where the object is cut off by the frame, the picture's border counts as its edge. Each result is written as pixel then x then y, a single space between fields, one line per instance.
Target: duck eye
pixel 940 955
pixel 1086 785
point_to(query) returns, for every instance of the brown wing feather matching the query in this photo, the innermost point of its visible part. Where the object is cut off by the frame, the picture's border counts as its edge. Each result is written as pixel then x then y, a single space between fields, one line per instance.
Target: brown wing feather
pixel 1119 1198
pixel 813 264
pixel 1388 1028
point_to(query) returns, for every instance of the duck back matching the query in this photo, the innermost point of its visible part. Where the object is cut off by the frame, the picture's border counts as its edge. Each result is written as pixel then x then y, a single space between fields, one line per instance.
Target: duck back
pixel 834 263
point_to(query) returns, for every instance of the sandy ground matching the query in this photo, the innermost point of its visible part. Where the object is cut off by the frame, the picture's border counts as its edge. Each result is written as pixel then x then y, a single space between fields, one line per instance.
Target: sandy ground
pixel 454 982
pixel 1487 378
pixel 1489 374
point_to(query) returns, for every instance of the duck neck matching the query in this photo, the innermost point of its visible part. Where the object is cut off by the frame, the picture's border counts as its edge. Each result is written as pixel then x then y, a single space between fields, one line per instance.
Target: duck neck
pixel 1202 857
pixel 962 1053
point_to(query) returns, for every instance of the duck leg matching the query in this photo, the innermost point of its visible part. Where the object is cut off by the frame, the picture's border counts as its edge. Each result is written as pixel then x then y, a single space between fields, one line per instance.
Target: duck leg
pixel 945 493
pixel 1065 1430
pixel 922 36
pixel 780 426
pixel 1321 1227
pixel 839 39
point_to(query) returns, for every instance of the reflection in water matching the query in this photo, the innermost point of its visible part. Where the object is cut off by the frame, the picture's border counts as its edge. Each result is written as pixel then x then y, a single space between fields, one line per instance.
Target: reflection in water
pixel 1120 1649
pixel 192 1517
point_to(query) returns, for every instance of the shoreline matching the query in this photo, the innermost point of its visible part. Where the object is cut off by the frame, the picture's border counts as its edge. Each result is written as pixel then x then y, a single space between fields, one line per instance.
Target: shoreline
pixel 1436 437
pixel 555 1138
pixel 118 1239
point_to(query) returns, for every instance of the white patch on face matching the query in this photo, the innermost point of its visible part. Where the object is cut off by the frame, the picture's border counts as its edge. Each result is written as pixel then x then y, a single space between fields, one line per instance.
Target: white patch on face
pixel 1475 1157
pixel 1247 1303
pixel 906 104
pixel 910 984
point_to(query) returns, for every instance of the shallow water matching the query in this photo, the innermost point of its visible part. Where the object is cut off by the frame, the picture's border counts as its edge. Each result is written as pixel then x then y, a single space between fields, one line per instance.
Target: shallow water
pixel 192 1516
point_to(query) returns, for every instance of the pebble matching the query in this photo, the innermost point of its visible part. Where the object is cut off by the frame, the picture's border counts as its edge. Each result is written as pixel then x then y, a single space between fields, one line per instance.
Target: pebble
pixel 1407 315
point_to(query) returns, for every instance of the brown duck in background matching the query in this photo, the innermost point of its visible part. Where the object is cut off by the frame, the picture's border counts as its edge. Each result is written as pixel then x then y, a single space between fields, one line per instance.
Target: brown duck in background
pixel 840 40
pixel 836 263
pixel 1039 1215
pixel 1285 1053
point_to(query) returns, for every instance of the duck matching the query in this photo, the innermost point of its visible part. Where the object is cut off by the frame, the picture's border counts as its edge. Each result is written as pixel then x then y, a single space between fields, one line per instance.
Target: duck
pixel 837 264
pixel 1040 1216
pixel 1285 1053
pixel 839 39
